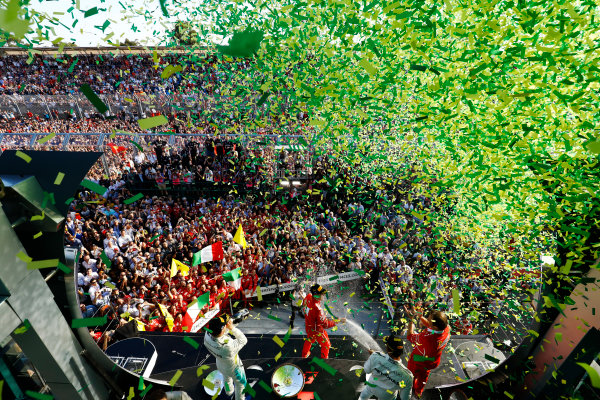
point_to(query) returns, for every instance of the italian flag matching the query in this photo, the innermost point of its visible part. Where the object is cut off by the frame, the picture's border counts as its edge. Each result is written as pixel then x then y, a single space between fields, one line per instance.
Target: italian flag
pixel 233 278
pixel 213 252
pixel 190 316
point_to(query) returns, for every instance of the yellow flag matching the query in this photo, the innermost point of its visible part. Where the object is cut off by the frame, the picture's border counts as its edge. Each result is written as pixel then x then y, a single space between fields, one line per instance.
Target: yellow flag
pixel 239 237
pixel 140 325
pixel 167 315
pixel 178 265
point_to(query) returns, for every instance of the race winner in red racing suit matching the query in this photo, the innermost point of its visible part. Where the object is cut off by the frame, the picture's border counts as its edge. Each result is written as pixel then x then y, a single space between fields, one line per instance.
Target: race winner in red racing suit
pixel 316 322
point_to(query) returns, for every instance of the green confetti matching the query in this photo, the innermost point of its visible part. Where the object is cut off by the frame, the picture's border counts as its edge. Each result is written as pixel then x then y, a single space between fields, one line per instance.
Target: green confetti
pixel 23 156
pixel 163 8
pixel 134 198
pixel 492 359
pixel 175 377
pixel 59 178
pixel 142 394
pixel 170 70
pixel 191 342
pixel 326 367
pixel 265 386
pixel 89 13
pixel 262 99
pixel 105 259
pixel 43 264
pixel 594 147
pixel 93 97
pixel 594 377
pixel 85 322
pixel 152 122
pixel 46 138
pixel 38 396
pixel 94 187
pixel 64 268
pixel 243 44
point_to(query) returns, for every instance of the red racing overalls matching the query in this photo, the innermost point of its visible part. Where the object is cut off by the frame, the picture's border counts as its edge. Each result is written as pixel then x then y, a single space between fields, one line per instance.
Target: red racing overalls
pixel 316 323
pixel 426 355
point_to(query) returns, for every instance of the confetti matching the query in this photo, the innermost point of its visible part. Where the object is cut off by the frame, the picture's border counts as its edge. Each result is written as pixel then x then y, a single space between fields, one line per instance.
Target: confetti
pixel 152 122
pixel 38 396
pixel 85 322
pixel 594 376
pixel 208 384
pixel 134 198
pixel 24 257
pixel 105 259
pixel 43 264
pixel 176 377
pixel 265 386
pixel 93 97
pixel 89 13
pixel 170 70
pixel 191 342
pixel 259 293
pixel 326 367
pixel 59 178
pixel 201 369
pixel 279 342
pixel 23 156
pixel 94 187
pixel 142 394
pixel 46 138
pixel 137 145
pixel 456 301
pixel 64 268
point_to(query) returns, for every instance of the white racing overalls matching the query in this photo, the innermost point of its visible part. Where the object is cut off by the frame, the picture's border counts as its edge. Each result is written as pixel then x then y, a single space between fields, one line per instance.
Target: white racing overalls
pixel 388 377
pixel 226 349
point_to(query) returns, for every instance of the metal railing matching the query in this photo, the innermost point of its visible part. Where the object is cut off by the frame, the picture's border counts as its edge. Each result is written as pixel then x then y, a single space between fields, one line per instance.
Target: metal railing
pixel 137 104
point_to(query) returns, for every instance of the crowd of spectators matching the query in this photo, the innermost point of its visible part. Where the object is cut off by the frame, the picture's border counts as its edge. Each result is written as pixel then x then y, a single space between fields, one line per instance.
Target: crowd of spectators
pixel 93 123
pixel 113 74
pixel 290 235
pixel 341 220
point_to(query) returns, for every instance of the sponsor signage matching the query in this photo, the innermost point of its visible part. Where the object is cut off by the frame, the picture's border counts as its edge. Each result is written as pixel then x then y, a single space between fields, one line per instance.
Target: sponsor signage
pixel 322 280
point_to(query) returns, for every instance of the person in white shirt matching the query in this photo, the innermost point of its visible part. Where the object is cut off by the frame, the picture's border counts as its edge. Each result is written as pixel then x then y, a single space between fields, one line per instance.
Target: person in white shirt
pixel 89 275
pixel 123 240
pixel 208 175
pixel 89 263
pixel 225 348
pixel 388 376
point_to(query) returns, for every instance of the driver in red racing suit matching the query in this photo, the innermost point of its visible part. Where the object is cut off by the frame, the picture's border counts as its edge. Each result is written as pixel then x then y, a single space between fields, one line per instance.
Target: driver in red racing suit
pixel 316 322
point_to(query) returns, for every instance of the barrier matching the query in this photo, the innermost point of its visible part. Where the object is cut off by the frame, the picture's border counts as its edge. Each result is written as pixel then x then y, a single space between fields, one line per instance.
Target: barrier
pixel 386 298
pixel 322 280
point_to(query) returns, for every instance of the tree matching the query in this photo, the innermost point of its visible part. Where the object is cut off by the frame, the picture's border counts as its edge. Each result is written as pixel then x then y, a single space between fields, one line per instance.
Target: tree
pixel 129 42
pixel 184 34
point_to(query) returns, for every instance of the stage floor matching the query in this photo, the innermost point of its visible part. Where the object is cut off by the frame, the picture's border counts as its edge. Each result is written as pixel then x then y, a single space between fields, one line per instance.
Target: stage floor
pixel 259 354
